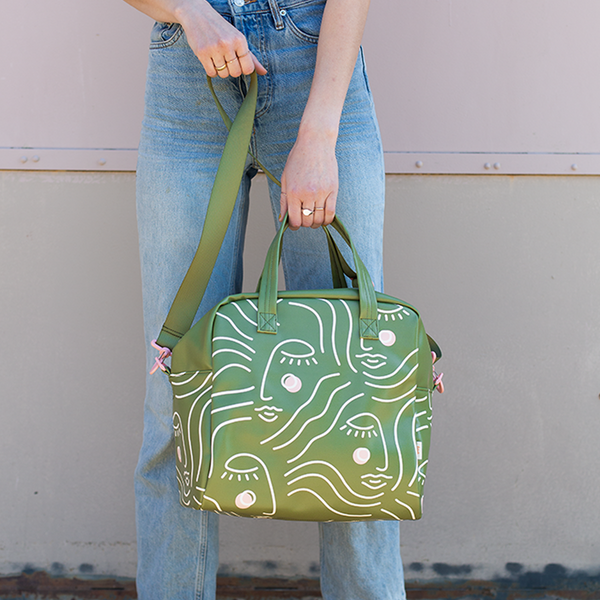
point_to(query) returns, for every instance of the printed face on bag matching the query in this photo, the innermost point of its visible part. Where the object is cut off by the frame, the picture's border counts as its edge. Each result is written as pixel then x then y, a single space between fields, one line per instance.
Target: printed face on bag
pixel 246 483
pixel 296 358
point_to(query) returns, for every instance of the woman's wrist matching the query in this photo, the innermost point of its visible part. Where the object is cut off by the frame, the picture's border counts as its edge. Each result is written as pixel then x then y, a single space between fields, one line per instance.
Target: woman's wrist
pixel 314 132
pixel 321 124
pixel 186 11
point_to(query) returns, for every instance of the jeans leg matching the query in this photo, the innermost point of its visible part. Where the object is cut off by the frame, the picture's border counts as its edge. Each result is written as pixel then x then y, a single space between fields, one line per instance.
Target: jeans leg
pixel 181 143
pixel 361 561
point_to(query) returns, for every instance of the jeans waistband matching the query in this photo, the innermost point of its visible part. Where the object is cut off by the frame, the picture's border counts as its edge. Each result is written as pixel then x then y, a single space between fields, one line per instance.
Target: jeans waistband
pixel 241 7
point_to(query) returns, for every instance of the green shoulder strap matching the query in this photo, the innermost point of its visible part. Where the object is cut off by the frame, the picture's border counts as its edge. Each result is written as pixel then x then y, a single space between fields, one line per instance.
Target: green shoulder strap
pixel 220 208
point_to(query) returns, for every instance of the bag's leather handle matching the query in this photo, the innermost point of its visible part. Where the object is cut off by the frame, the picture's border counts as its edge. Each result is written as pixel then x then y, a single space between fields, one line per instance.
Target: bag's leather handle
pixel 267 298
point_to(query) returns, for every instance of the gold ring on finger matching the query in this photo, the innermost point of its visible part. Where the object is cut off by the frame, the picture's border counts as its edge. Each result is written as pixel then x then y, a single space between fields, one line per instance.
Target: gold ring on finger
pixel 242 56
pixel 221 67
pixel 232 60
pixel 319 208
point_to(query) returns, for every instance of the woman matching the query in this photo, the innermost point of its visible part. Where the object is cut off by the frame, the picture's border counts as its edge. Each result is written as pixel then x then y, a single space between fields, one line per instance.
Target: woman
pixel 315 128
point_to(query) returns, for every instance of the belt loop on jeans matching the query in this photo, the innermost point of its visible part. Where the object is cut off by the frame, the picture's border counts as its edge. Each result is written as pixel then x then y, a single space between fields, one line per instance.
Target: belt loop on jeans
pixel 276 12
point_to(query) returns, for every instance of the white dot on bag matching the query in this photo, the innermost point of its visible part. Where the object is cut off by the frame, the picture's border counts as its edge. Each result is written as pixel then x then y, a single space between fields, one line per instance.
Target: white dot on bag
pixel 291 383
pixel 361 456
pixel 245 499
pixel 387 337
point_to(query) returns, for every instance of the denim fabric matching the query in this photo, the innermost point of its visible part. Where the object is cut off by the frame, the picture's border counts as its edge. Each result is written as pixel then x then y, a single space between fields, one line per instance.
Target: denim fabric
pixel 181 143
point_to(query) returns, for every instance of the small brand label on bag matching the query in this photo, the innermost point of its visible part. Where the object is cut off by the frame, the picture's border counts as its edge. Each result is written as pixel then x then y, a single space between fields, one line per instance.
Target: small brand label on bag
pixel 420 450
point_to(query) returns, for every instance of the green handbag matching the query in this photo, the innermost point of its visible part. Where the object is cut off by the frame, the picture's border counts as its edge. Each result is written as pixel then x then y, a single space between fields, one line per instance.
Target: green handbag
pixel 302 405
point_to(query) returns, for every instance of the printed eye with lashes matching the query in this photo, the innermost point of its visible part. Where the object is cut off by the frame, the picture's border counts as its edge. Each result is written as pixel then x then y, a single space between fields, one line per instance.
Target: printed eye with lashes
pixel 241 467
pixel 304 356
pixel 304 359
pixel 240 475
pixel 400 312
pixel 360 426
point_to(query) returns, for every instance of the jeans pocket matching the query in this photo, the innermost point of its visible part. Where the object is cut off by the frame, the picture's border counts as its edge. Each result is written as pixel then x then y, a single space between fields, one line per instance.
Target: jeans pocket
pixel 304 20
pixel 164 35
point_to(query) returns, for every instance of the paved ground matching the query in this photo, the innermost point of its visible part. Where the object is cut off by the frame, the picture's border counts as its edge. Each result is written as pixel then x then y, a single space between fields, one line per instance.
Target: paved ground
pixel 40 586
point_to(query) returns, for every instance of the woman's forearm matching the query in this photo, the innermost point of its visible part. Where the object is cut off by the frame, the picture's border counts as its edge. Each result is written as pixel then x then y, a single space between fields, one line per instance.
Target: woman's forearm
pixel 339 42
pixel 310 177
pixel 165 11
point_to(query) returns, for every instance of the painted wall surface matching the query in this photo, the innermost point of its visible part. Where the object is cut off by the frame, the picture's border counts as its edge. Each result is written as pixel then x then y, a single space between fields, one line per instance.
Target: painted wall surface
pixel 486 86
pixel 71 373
pixel 461 86
pixel 506 273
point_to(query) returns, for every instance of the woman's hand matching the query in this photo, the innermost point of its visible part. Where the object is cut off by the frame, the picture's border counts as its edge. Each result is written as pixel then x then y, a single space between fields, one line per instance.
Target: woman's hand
pixel 310 180
pixel 219 46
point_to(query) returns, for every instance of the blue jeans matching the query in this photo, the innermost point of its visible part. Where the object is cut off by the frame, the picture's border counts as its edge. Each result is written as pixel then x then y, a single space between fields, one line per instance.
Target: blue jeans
pixel 181 143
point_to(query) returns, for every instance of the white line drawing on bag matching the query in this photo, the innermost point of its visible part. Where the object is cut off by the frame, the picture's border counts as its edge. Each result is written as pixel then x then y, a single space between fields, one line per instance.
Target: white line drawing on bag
pixel 300 431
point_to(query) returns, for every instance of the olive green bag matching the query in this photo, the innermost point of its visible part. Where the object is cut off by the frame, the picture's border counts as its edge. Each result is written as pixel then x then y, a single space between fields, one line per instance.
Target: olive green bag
pixel 303 405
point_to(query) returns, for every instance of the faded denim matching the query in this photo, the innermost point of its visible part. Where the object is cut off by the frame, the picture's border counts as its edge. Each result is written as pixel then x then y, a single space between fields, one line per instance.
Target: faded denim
pixel 181 143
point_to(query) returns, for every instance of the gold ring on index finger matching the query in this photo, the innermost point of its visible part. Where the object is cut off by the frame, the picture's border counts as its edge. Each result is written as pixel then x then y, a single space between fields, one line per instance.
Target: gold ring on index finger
pixel 221 67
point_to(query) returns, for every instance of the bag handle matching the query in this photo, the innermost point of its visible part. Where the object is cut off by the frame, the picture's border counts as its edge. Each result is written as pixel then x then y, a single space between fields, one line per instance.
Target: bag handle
pixel 339 266
pixel 267 295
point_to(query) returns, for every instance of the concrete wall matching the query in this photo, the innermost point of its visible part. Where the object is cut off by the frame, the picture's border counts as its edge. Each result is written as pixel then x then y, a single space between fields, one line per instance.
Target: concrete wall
pixel 506 273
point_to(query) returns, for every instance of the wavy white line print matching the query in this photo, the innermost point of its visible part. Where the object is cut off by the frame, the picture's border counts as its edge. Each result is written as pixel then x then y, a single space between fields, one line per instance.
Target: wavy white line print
pixel 275 433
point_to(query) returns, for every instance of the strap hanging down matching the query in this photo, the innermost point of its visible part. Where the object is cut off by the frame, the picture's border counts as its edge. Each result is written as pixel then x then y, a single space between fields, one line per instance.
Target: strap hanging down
pixel 220 208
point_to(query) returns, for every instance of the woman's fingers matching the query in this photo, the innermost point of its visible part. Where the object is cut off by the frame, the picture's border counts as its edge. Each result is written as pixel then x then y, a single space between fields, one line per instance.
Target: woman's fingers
pixel 308 215
pixel 315 213
pixel 324 212
pixel 232 67
pixel 293 207
pixel 329 209
pixel 256 65
pixel 318 216
pixel 244 64
pixel 221 69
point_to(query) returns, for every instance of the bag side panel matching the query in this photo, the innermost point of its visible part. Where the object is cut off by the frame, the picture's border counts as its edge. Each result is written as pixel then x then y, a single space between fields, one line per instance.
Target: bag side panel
pixel 192 425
